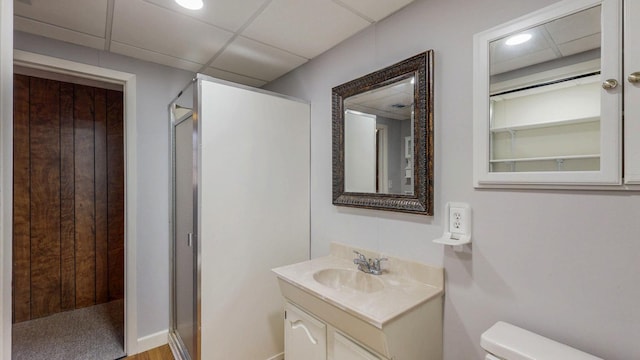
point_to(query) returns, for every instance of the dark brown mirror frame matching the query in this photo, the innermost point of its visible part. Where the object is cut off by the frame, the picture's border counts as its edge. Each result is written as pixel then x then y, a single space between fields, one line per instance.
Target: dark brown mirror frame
pixel 421 202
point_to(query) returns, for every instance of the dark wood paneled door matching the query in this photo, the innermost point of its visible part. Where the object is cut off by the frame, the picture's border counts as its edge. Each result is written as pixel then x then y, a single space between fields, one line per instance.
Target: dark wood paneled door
pixel 68 222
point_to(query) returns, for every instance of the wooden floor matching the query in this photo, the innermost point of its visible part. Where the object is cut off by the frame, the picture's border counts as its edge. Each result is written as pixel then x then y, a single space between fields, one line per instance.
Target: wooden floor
pixel 160 353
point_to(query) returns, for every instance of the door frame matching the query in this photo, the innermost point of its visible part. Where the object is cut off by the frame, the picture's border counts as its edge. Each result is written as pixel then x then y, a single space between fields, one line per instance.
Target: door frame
pixel 176 342
pixel 6 171
pixel 128 82
pixel 383 158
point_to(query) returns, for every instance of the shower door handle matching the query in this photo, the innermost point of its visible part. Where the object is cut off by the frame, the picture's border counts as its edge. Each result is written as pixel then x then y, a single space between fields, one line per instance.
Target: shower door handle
pixel 189 239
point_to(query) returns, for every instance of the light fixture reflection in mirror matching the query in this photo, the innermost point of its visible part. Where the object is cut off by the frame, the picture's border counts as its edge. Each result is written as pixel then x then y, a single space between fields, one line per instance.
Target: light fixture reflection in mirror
pixel 191 4
pixel 518 39
pixel 545 96
pixel 383 138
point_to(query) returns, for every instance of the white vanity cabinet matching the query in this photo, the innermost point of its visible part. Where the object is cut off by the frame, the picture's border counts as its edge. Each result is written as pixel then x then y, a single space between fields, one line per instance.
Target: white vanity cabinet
pixel 548 110
pixel 305 337
pixel 346 349
pixel 334 311
pixel 308 338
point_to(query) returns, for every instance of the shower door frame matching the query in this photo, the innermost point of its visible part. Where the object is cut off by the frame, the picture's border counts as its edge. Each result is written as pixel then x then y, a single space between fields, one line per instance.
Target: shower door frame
pixel 175 342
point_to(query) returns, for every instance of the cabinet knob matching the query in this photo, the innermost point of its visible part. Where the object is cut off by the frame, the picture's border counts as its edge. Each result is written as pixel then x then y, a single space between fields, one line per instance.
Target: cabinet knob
pixel 610 84
pixel 634 77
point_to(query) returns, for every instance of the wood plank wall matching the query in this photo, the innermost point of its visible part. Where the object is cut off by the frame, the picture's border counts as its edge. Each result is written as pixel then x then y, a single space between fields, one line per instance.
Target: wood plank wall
pixel 68 224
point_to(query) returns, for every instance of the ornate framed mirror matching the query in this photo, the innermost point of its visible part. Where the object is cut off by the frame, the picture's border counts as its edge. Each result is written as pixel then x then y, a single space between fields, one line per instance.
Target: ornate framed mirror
pixel 383 138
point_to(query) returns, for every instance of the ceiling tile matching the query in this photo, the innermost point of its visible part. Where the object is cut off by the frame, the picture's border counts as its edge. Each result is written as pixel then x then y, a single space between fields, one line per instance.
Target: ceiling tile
pixel 580 45
pixel 575 26
pixel 153 28
pixel 404 87
pixel 391 101
pixel 230 15
pixel 83 16
pixel 524 61
pixel 301 27
pixel 257 60
pixel 58 33
pixel 225 75
pixel 151 56
pixel 375 10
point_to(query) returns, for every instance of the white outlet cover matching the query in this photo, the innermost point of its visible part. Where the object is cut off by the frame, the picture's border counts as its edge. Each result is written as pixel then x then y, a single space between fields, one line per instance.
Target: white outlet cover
pixel 457 225
pixel 458 219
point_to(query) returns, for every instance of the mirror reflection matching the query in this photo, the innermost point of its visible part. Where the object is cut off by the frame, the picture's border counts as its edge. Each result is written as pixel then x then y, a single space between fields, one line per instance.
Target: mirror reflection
pixel 378 139
pixel 382 138
pixel 545 90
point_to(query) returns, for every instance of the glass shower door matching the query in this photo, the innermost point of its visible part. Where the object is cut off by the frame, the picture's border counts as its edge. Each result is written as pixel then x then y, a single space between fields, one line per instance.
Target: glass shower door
pixel 184 242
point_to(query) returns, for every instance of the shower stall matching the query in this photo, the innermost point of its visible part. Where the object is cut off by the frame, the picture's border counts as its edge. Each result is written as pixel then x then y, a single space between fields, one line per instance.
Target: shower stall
pixel 240 165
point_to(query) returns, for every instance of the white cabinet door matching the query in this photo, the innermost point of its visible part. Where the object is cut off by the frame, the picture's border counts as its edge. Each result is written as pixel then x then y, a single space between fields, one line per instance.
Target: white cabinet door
pixel 632 92
pixel 305 336
pixel 345 349
pixel 553 148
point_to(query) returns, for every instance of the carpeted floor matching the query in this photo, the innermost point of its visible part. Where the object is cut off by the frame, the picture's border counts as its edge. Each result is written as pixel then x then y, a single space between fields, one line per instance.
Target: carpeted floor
pixel 93 333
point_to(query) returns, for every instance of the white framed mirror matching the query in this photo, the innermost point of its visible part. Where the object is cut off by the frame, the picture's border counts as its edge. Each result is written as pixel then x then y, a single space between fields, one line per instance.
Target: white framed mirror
pixel 547 103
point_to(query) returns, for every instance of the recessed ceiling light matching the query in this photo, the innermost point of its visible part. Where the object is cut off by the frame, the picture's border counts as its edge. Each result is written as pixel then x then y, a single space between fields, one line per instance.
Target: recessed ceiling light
pixel 191 4
pixel 518 39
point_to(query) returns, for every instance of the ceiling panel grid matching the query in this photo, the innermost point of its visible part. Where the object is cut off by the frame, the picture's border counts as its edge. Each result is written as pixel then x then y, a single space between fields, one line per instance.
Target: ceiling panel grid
pixel 247 41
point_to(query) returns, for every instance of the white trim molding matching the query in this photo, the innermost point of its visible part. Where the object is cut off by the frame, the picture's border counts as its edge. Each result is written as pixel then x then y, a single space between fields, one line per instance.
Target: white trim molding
pixel 128 82
pixel 6 172
pixel 152 341
pixel 277 357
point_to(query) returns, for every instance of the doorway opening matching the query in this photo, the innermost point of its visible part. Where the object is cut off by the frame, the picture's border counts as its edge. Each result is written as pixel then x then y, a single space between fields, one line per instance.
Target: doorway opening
pixel 68 217
pixel 88 75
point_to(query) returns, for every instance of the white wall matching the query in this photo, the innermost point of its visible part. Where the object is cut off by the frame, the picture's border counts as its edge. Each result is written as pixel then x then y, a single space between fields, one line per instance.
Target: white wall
pixel 561 263
pixel 251 220
pixel 156 86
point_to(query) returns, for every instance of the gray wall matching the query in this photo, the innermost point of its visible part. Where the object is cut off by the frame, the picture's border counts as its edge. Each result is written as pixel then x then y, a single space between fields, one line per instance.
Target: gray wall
pixel 560 263
pixel 157 85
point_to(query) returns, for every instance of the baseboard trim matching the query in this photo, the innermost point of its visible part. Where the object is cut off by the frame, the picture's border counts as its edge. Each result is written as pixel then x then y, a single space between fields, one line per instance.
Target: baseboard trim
pixel 277 357
pixel 149 342
pixel 161 338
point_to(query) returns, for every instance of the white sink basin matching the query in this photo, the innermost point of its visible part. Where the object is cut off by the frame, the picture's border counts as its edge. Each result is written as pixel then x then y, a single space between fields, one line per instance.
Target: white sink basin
pixel 351 279
pixel 397 314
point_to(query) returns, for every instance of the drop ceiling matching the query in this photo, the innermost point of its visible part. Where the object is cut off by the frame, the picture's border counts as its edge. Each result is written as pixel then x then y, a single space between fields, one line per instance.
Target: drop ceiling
pixel 250 42
pixel 561 38
pixel 393 101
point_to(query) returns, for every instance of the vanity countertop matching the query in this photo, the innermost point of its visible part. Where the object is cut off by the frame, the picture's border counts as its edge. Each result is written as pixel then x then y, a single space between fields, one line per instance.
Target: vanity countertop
pixel 407 284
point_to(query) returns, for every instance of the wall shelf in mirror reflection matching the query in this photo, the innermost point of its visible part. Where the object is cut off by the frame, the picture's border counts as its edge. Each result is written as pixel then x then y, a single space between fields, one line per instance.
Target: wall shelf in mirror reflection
pixel 539 117
pixel 383 138
pixel 545 109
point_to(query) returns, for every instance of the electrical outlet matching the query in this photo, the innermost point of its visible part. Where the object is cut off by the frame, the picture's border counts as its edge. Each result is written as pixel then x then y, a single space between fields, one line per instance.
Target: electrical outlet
pixel 457 223
pixel 458 218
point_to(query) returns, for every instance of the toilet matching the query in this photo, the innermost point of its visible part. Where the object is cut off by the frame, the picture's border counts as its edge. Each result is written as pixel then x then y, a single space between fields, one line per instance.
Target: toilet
pixel 504 341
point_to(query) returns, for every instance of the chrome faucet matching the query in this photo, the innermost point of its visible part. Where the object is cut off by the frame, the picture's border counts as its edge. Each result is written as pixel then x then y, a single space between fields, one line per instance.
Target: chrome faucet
pixel 370 266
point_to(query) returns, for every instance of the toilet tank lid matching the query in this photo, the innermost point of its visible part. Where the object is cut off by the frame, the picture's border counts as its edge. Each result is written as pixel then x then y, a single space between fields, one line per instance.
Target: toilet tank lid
pixel 510 342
